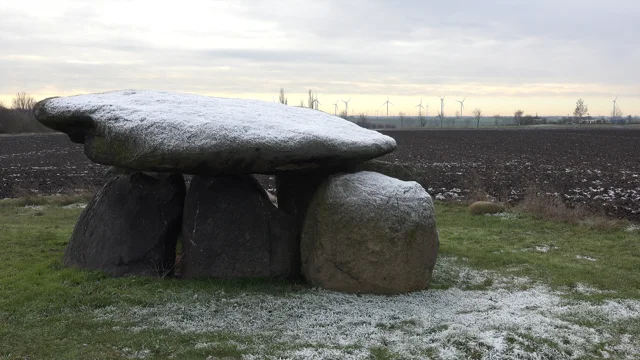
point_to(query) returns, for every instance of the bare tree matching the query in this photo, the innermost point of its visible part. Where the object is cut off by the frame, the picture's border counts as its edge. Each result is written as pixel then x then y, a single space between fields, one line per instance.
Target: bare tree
pixel 2 105
pixel 441 116
pixel 617 112
pixel 24 102
pixel 344 114
pixel 401 114
pixel 282 98
pixel 477 113
pixel 517 116
pixel 362 119
pixel 301 103
pixel 581 109
pixel 423 120
pixel 496 119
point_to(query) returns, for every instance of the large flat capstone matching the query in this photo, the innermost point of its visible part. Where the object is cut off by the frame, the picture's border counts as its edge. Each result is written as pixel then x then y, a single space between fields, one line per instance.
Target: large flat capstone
pixel 194 134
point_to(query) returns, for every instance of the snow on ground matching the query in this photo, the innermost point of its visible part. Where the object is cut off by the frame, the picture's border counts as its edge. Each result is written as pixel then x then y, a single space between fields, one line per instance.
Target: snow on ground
pixel 34 207
pixel 504 215
pixel 584 257
pixel 512 318
pixel 632 228
pixel 75 206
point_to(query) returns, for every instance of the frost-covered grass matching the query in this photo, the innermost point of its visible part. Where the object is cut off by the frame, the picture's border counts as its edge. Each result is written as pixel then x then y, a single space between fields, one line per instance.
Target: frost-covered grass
pixel 489 299
pixel 552 252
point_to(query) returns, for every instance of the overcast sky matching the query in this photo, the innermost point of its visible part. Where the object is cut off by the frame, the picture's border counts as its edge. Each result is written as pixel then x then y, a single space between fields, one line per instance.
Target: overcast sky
pixel 539 56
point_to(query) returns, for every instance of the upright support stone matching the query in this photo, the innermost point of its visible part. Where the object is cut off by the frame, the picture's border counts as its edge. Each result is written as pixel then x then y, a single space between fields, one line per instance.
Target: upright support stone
pixel 131 226
pixel 232 230
pixel 296 189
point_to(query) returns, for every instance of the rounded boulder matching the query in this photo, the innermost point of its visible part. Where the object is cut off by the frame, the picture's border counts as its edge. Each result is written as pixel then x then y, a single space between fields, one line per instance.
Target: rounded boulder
pixel 366 232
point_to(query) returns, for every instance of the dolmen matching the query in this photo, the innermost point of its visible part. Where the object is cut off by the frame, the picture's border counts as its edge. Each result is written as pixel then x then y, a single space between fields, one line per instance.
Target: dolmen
pixel 341 222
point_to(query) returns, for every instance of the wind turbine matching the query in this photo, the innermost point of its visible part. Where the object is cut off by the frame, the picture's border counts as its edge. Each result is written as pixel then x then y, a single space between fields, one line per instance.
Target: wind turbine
pixel 316 102
pixel 346 106
pixel 420 107
pixel 442 105
pixel 461 105
pixel 335 108
pixel 615 109
pixel 426 109
pixel 387 103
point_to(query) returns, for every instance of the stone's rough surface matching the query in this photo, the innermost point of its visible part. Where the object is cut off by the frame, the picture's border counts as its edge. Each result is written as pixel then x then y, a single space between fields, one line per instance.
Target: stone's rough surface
pixel 368 233
pixel 194 134
pixel 232 230
pixel 130 227
pixel 486 207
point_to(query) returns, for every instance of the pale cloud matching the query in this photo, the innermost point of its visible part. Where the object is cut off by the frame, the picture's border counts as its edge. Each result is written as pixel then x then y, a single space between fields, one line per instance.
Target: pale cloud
pixel 495 51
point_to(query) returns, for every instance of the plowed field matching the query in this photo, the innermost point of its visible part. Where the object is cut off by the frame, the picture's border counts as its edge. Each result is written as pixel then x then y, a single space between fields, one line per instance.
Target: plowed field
pixel 598 167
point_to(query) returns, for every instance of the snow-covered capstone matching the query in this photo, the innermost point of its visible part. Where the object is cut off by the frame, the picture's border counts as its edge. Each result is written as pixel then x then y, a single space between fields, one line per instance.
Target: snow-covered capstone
pixel 194 134
pixel 366 232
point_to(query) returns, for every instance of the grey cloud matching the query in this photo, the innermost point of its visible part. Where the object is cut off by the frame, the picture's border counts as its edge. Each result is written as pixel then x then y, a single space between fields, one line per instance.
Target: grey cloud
pixel 373 47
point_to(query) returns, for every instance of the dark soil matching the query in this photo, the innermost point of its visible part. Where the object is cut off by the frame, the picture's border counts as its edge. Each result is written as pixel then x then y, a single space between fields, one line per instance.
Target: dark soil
pixel 46 164
pixel 597 167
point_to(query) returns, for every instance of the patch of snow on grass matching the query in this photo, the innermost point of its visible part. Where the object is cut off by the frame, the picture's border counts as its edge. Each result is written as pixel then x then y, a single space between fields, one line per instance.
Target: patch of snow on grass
pixel 632 228
pixel 588 290
pixel 34 207
pixel 542 249
pixel 75 206
pixel 585 258
pixel 499 322
pixel 133 354
pixel 504 215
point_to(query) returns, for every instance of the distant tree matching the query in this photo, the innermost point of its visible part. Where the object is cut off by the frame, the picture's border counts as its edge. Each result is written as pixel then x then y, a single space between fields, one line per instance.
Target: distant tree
pixel 496 119
pixel 528 120
pixel 581 109
pixel 301 103
pixel 441 117
pixel 24 102
pixel 423 120
pixel 401 115
pixel 344 114
pixel 477 113
pixel 282 98
pixel 311 101
pixel 362 120
pixel 20 118
pixel 517 116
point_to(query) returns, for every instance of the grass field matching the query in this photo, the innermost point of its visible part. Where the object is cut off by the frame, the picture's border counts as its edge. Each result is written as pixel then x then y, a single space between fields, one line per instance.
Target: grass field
pixel 507 286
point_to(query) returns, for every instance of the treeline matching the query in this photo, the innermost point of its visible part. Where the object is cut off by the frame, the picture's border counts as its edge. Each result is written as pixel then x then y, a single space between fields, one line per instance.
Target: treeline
pixel 18 118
